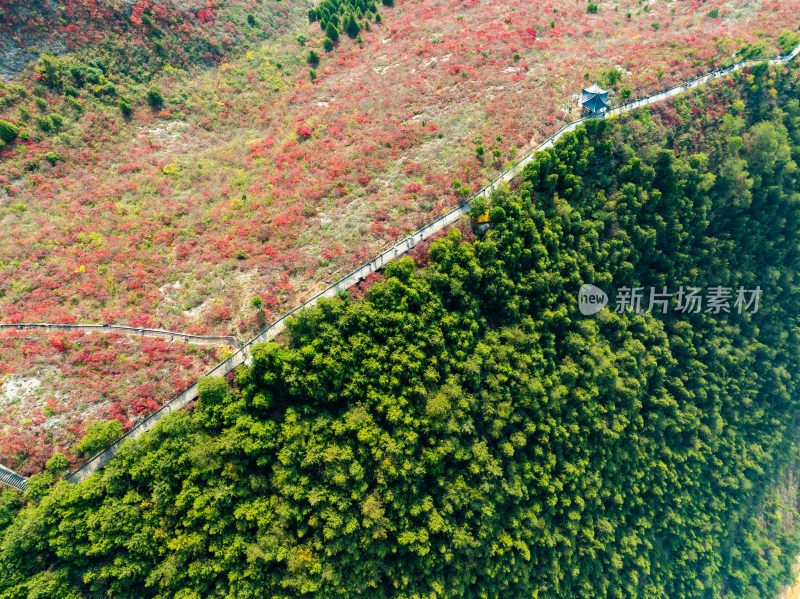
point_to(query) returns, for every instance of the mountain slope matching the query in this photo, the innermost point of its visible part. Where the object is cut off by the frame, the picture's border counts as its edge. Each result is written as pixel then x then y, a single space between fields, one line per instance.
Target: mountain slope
pixel 249 179
pixel 464 431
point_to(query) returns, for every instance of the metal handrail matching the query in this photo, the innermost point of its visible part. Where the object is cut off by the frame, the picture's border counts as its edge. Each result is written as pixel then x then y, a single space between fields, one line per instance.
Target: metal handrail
pixel 226 340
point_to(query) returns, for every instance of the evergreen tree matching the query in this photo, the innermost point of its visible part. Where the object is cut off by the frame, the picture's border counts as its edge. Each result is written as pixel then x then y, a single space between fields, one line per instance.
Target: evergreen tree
pixel 351 26
pixel 331 32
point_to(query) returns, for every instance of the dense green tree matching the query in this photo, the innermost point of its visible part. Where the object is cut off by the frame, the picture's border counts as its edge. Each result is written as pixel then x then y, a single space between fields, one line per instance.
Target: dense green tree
pixel 331 32
pixel 477 207
pixel 351 26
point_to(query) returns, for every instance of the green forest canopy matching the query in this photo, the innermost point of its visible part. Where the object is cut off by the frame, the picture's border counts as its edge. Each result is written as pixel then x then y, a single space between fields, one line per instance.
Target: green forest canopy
pixel 463 431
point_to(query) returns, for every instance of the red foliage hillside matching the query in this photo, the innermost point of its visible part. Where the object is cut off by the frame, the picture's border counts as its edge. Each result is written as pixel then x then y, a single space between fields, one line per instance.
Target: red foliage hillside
pixel 251 179
pixel 54 385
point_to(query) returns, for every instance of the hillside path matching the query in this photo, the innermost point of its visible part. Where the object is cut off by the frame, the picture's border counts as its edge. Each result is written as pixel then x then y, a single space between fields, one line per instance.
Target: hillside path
pixel 219 340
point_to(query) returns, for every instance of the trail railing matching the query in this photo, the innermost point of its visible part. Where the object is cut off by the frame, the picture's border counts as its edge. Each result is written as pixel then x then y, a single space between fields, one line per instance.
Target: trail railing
pixel 240 356
pixel 220 340
pixel 12 479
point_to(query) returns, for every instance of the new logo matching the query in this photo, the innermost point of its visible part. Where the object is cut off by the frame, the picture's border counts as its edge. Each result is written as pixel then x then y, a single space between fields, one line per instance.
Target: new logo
pixel 591 299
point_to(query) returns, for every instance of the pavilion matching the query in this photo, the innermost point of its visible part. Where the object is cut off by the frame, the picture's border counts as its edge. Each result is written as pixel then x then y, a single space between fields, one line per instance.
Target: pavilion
pixel 593 100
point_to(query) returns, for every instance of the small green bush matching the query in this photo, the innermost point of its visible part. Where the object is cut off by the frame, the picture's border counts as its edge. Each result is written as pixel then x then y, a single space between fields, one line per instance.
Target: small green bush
pixel 73 103
pixel 312 58
pixel 57 463
pixel 44 123
pixel 99 435
pixel 154 98
pixel 125 108
pixel 8 132
pixel 788 41
pixel 327 43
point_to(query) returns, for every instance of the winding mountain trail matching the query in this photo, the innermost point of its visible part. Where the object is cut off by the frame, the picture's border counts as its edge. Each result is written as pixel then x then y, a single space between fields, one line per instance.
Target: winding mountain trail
pixel 219 340
pixel 242 355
